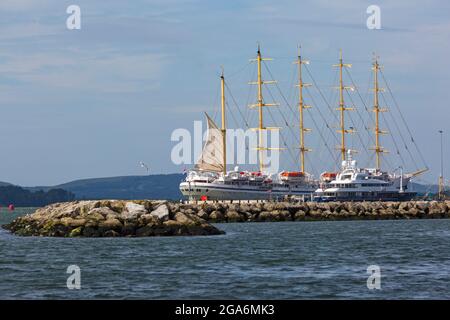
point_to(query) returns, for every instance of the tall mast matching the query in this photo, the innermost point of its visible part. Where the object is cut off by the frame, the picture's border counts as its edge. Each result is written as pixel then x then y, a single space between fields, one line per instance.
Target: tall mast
pixel 224 129
pixel 376 108
pixel 260 112
pixel 260 104
pixel 342 107
pixel 301 107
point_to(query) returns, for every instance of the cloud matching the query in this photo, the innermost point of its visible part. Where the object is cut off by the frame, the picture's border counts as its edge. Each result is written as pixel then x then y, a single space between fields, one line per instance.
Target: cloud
pixel 426 49
pixel 22 5
pixel 28 30
pixel 81 71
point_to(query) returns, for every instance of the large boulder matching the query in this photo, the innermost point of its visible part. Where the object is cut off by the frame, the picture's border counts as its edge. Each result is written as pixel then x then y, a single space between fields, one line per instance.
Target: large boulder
pixel 161 212
pixel 234 216
pixel 299 215
pixel 111 224
pixel 133 210
pixel 216 216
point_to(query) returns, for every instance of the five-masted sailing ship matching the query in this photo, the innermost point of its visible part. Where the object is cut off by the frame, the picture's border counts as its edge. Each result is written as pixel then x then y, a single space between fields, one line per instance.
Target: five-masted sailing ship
pixel 210 179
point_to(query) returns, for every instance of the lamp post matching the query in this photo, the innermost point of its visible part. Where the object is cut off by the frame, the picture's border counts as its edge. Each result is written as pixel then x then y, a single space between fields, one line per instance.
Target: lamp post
pixel 441 177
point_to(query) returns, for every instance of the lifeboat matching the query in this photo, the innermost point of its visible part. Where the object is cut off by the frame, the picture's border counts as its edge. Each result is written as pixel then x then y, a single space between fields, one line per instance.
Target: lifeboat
pixel 328 176
pixel 292 175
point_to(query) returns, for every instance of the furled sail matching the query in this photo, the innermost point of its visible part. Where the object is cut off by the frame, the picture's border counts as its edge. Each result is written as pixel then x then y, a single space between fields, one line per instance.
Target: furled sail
pixel 211 158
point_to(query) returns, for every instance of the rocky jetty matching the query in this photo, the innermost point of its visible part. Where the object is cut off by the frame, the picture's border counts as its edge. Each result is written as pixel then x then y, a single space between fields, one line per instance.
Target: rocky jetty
pixel 111 218
pixel 312 211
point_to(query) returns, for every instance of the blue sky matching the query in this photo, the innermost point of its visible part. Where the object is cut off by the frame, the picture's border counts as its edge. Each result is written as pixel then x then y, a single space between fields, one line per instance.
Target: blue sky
pixel 96 101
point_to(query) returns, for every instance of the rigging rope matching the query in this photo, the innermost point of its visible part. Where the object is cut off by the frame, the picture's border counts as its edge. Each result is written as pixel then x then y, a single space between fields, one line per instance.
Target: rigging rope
pixel 321 94
pixel 236 104
pixel 403 119
pixel 283 140
pixel 400 133
pixel 394 141
pixel 295 115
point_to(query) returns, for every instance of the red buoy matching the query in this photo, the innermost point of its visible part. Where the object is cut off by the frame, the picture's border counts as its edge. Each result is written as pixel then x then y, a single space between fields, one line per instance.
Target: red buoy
pixel 11 207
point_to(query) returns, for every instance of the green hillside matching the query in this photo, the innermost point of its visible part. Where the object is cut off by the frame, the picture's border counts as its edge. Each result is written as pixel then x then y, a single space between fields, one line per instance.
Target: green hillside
pixel 159 186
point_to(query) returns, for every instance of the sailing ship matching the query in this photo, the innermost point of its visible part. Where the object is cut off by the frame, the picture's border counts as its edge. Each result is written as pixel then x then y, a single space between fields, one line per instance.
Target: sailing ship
pixel 210 179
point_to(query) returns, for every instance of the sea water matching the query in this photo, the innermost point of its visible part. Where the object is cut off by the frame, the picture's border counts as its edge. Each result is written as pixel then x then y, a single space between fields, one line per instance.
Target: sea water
pixel 277 260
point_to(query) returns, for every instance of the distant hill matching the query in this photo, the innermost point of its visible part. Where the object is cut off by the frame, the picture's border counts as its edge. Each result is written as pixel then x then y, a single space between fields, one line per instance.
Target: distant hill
pixel 22 197
pixel 424 188
pixel 158 186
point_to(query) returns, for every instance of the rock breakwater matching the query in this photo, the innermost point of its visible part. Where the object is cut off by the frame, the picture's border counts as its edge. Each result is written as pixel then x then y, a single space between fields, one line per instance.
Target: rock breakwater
pixel 110 218
pixel 312 211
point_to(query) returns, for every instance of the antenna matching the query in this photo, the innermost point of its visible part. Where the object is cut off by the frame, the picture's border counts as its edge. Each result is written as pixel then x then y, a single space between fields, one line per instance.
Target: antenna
pixel 441 176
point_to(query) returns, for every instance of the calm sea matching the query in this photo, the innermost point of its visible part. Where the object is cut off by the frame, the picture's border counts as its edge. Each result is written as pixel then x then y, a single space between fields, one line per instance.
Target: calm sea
pixel 285 260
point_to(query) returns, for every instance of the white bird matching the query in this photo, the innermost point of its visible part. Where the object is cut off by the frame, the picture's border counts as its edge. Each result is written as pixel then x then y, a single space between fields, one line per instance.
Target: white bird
pixel 143 165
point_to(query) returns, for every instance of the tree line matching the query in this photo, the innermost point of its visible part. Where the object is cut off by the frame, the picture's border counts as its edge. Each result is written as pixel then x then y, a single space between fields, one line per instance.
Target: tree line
pixel 21 197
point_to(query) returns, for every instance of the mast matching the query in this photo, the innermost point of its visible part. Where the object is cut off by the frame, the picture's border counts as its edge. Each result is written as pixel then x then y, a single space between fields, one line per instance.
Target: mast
pixel 342 107
pixel 301 107
pixel 260 113
pixel 224 129
pixel 260 104
pixel 376 108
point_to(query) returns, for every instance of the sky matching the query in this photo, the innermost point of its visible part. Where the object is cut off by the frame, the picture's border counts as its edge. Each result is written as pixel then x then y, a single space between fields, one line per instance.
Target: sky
pixel 95 102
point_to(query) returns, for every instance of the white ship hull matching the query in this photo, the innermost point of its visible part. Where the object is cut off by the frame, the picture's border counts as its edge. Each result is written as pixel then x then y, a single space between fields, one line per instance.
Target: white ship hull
pixel 219 191
pixel 364 184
